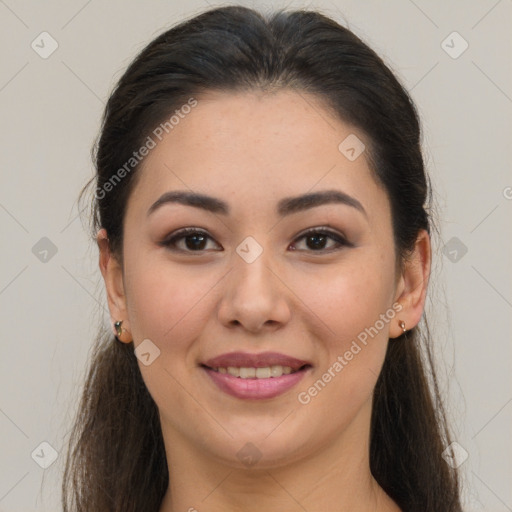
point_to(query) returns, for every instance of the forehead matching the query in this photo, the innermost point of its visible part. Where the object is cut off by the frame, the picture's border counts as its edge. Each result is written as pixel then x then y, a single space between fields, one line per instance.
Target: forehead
pixel 254 148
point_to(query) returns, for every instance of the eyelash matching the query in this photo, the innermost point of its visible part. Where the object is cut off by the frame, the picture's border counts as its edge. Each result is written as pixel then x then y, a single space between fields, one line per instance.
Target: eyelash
pixel 170 242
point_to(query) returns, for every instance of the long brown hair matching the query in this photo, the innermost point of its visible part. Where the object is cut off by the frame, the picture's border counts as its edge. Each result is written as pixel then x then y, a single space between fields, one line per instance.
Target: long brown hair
pixel 116 459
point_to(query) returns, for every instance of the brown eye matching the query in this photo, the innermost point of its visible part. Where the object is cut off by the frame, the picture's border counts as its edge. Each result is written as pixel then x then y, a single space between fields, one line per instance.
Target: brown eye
pixel 317 240
pixel 194 239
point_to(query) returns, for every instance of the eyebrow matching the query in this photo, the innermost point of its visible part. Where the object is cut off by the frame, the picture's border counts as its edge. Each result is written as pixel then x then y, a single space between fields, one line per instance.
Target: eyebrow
pixel 286 206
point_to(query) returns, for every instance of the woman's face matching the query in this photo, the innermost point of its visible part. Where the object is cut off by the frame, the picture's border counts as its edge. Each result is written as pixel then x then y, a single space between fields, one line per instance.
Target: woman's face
pixel 251 282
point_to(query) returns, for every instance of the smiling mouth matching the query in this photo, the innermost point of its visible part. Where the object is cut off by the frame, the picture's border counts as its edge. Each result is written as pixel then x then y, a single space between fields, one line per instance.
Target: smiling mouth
pixel 266 372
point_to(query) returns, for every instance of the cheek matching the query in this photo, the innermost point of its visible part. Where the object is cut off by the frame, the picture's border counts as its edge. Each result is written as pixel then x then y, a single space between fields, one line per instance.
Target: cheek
pixel 347 298
pixel 349 302
pixel 166 302
pixel 169 306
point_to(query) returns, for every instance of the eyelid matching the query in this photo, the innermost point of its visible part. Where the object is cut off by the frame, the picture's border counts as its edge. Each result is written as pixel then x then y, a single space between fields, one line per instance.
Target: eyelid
pixel 324 230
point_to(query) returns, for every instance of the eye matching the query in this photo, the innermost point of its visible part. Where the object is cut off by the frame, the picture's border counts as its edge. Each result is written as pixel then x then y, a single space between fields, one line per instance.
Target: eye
pixel 319 238
pixel 195 240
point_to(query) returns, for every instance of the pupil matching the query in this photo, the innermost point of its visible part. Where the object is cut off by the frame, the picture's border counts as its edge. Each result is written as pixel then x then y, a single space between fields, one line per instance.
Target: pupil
pixel 196 237
pixel 311 237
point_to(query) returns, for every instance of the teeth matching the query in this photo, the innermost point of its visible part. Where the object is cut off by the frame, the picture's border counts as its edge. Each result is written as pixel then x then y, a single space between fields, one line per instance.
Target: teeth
pixel 263 373
pixel 247 373
pixel 258 373
pixel 234 371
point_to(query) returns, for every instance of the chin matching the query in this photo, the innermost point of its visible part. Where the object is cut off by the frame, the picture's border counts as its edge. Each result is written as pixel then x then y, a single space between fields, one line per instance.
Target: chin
pixel 261 450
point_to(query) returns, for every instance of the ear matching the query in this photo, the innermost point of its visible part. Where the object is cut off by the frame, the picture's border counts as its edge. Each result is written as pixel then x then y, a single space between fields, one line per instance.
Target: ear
pixel 113 277
pixel 412 285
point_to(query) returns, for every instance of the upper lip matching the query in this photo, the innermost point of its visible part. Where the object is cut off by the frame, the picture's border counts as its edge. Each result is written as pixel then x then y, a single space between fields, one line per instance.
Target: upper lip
pixel 262 360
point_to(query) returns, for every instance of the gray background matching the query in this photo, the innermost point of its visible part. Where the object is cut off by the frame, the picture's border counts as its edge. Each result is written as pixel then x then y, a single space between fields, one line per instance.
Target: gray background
pixel 49 303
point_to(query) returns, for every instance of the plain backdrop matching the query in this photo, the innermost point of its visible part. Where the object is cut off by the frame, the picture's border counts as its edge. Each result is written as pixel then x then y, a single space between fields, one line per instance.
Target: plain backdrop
pixel 50 289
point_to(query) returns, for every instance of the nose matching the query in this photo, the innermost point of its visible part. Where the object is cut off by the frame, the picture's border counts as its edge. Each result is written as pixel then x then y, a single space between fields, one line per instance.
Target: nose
pixel 254 296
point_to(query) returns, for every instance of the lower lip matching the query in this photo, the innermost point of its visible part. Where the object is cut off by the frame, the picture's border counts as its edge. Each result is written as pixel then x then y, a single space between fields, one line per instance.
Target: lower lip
pixel 256 389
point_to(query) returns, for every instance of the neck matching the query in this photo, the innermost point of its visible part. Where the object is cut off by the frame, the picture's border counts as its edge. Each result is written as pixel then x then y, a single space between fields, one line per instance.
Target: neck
pixel 335 477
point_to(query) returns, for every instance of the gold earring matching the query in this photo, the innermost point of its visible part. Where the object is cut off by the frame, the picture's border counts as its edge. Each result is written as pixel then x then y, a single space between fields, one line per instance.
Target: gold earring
pixel 119 330
pixel 118 327
pixel 401 323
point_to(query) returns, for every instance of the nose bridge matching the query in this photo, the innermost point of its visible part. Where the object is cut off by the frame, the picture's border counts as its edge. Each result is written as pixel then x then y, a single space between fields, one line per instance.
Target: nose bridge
pixel 251 262
pixel 254 295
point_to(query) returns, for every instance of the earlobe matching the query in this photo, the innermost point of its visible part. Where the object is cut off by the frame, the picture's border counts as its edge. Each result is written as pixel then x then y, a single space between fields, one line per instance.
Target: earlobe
pixel 113 277
pixel 414 283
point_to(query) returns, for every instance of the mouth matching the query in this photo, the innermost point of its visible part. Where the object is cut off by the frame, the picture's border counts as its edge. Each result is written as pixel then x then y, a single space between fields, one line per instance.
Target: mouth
pixel 255 377
pixel 265 372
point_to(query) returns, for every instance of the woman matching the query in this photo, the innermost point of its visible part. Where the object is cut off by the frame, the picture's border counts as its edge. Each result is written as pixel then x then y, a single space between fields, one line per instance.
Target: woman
pixel 262 214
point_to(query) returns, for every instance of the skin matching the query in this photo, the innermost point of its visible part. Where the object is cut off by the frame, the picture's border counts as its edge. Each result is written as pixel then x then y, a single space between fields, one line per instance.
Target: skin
pixel 251 150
